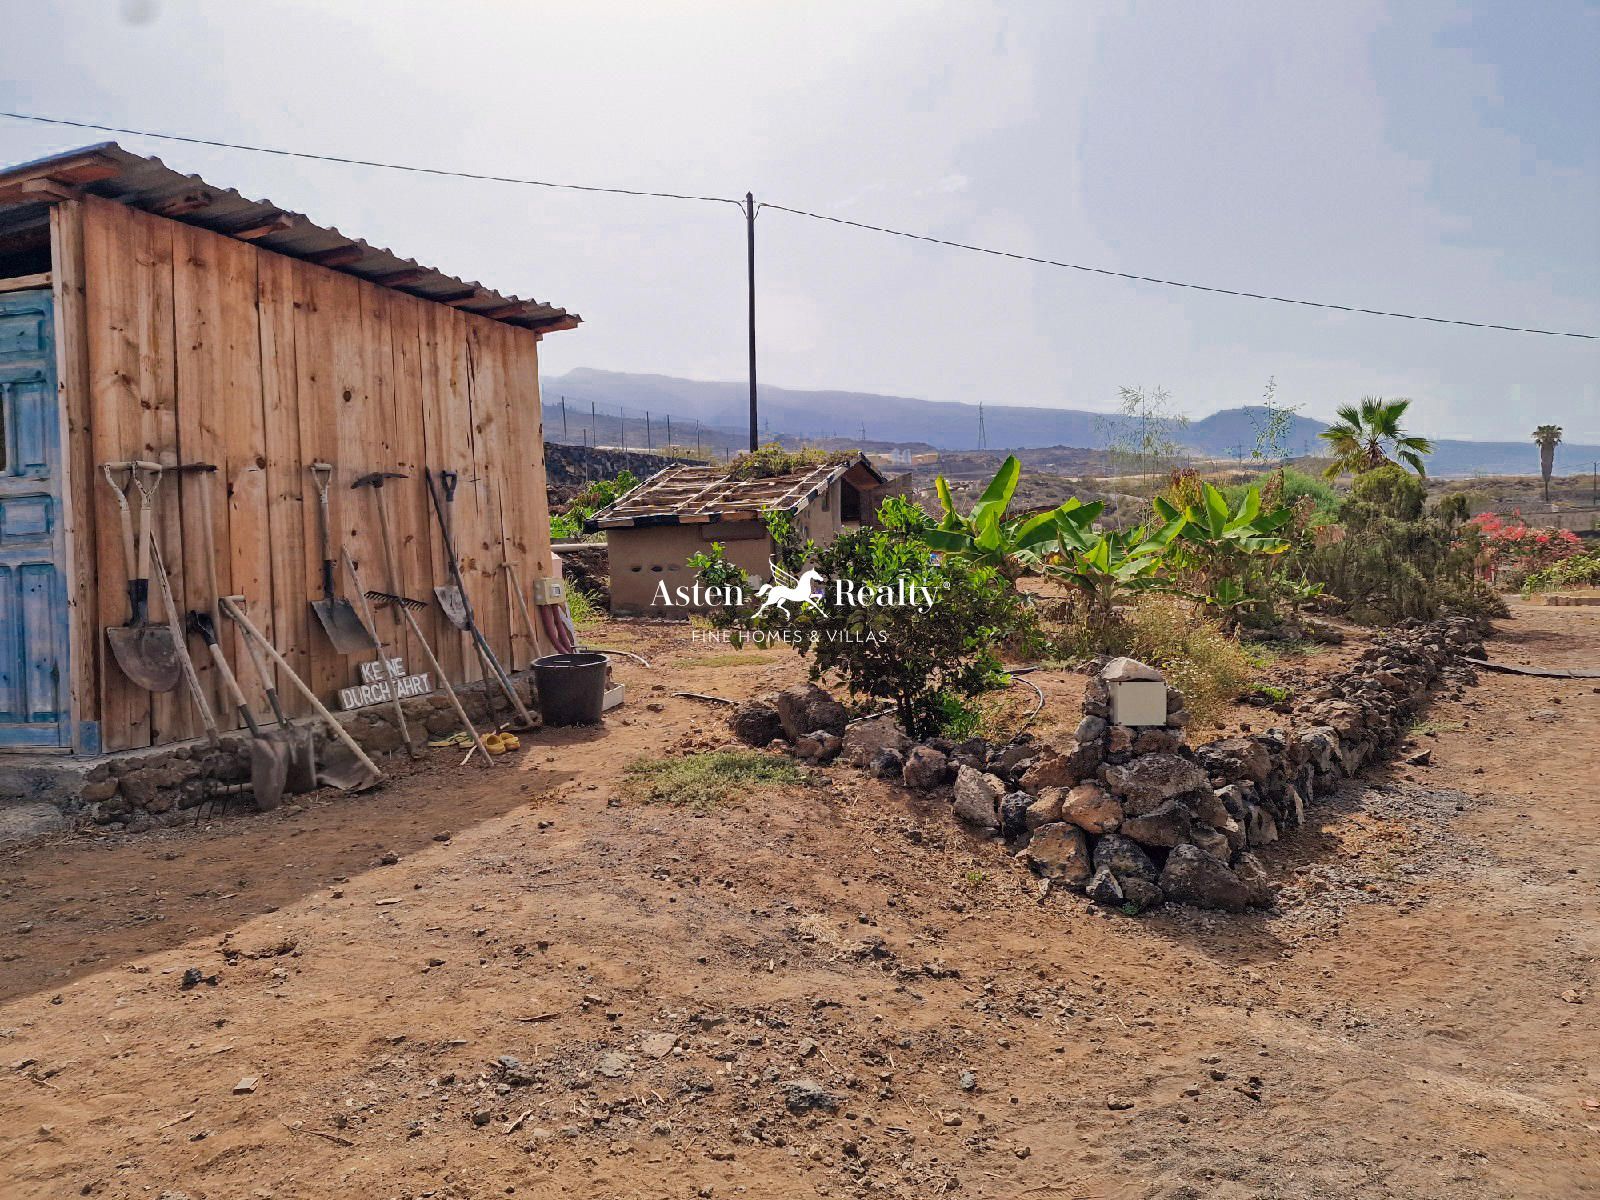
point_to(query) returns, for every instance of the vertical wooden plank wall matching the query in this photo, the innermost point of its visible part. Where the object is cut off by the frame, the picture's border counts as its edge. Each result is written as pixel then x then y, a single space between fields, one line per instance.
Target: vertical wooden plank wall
pixel 200 347
pixel 72 375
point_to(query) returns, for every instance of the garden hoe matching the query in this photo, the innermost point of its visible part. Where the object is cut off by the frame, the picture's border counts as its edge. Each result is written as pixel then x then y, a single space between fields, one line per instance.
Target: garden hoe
pixel 382 656
pixel 358 775
pixel 450 595
pixel 147 654
pixel 269 757
pixel 485 652
pixel 185 663
pixel 293 743
pixel 339 619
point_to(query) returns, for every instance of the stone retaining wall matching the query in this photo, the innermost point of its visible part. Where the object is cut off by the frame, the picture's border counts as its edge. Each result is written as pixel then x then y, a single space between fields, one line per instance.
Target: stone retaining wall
pixel 1133 815
pixel 567 466
pixel 141 789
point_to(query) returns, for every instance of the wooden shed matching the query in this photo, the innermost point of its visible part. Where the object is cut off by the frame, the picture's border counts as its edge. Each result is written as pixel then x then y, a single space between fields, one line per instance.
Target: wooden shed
pixel 653 530
pixel 146 314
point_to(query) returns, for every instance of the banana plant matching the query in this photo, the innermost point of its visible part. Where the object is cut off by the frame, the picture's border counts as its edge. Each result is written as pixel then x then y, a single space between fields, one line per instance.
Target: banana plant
pixel 985 536
pixel 1211 527
pixel 1106 565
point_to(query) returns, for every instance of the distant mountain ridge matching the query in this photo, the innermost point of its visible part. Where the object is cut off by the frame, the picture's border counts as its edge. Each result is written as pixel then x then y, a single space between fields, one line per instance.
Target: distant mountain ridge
pixel 950 426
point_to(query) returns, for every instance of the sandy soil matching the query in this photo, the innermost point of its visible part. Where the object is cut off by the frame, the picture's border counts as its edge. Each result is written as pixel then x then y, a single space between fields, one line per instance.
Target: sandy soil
pixel 1418 1019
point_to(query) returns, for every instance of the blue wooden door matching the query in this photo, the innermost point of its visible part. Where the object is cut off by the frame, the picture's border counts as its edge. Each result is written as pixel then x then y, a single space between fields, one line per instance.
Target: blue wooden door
pixel 33 593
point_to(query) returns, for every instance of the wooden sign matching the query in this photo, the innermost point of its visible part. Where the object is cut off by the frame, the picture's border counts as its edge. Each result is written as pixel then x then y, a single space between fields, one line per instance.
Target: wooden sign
pixel 381 682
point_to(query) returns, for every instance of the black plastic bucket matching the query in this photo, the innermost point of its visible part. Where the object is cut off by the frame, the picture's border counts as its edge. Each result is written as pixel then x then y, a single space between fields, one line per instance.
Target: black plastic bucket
pixel 571 687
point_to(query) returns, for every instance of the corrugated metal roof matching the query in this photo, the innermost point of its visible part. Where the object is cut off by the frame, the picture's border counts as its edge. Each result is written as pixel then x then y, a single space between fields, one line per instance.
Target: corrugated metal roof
pixel 693 495
pixel 148 183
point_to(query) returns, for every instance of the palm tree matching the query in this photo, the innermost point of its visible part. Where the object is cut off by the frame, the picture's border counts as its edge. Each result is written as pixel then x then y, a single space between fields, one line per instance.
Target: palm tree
pixel 1366 437
pixel 1548 437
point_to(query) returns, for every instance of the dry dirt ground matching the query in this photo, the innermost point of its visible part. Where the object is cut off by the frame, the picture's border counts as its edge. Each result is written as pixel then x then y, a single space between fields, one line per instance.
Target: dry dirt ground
pixel 516 982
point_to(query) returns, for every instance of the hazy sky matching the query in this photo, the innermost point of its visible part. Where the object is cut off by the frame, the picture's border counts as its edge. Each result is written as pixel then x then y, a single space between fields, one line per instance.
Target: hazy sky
pixel 1439 158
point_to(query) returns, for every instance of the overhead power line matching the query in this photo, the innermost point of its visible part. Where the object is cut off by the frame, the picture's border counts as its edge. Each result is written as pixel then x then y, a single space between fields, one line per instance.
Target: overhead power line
pixel 1194 287
pixel 815 216
pixel 367 162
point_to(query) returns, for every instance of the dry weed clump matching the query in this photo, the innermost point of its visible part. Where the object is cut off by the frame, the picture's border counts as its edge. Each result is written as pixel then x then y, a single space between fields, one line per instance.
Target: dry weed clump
pixel 1197 657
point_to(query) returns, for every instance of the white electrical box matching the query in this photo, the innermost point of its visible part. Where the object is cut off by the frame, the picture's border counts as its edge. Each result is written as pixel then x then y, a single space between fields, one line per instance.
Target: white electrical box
pixel 549 591
pixel 1138 702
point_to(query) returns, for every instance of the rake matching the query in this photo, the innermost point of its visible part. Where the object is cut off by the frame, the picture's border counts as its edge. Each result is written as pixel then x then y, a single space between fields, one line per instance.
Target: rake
pixel 405 606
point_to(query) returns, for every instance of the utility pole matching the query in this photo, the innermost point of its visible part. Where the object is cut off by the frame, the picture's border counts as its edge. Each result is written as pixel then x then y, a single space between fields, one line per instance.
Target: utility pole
pixel 649 438
pixel 563 418
pixel 594 425
pixel 750 256
pixel 669 429
pixel 622 424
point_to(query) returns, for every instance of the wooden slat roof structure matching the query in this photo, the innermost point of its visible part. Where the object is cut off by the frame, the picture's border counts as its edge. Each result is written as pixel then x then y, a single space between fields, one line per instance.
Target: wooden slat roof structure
pixel 145 182
pixel 694 495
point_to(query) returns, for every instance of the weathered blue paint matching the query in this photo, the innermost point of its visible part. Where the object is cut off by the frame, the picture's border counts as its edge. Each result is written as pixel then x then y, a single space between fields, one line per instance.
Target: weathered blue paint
pixel 33 592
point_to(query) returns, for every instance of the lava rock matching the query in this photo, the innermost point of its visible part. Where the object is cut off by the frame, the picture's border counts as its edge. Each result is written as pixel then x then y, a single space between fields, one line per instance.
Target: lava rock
pixel 1142 894
pixel 818 747
pixel 1193 877
pixel 1091 808
pixel 801 1096
pixel 925 768
pixel 1145 783
pixel 864 740
pixel 1168 825
pixel 1104 889
pixel 1060 851
pixel 977 798
pixel 1125 858
pixel 805 708
pixel 1236 758
pixel 756 722
pixel 1046 808
pixel 1014 813
pixel 887 764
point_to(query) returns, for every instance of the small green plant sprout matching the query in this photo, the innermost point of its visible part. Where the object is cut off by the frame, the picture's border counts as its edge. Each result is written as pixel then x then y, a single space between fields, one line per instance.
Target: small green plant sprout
pixel 703 781
pixel 975 878
pixel 1274 692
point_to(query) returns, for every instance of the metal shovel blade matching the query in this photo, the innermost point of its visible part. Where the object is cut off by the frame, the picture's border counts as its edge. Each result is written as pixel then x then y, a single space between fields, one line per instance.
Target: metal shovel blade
pixel 343 770
pixel 147 654
pixel 302 767
pixel 269 767
pixel 453 604
pixel 342 625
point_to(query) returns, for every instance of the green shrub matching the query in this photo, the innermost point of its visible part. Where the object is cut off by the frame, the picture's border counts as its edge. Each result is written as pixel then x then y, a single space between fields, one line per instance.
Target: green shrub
pixel 1398 561
pixel 929 660
pixel 772 460
pixel 1208 666
pixel 567 525
pixel 1581 570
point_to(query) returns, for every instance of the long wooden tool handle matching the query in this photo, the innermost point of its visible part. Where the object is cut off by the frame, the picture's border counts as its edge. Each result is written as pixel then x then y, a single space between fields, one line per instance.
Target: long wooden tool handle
pixel 382 659
pixel 129 556
pixel 427 652
pixel 174 623
pixel 339 731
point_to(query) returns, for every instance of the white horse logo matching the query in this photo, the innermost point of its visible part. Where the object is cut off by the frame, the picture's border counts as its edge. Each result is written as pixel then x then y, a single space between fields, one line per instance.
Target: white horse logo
pixel 779 594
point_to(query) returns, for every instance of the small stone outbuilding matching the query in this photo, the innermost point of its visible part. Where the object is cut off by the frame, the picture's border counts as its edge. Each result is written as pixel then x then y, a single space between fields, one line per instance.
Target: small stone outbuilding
pixel 654 530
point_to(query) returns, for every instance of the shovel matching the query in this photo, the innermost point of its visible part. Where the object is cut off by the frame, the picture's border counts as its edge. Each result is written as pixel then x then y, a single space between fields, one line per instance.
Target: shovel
pixel 339 619
pixel 450 597
pixel 354 771
pixel 301 766
pixel 269 757
pixel 148 654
